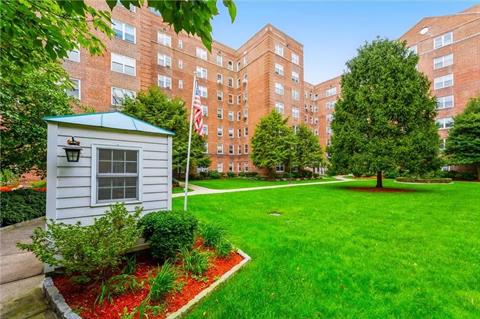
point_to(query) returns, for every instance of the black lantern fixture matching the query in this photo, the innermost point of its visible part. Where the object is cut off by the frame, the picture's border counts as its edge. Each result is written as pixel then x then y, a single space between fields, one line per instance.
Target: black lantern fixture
pixel 73 150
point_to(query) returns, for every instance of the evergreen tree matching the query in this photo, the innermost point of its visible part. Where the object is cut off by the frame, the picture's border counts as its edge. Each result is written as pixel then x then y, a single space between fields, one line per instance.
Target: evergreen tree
pixel 385 118
pixel 154 107
pixel 463 143
pixel 273 142
pixel 308 152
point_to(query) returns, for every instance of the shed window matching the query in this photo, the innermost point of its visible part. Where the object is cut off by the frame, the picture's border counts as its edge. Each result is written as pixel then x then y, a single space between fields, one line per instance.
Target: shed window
pixel 117 175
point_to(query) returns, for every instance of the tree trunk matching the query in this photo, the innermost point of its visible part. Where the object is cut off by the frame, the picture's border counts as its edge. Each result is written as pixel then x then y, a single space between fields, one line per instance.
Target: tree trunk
pixel 379 180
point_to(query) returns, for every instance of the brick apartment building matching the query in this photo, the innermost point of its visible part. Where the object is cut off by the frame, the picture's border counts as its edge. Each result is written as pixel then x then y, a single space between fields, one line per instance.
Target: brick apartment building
pixel 239 86
pixel 449 54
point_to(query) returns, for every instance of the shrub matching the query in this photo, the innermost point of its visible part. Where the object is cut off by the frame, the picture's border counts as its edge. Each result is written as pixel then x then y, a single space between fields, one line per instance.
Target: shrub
pixel 423 180
pixel 230 174
pixel 195 261
pixel 214 175
pixel 223 248
pixel 168 232
pixel 162 283
pixel 214 237
pixel 21 205
pixel 8 177
pixel 90 251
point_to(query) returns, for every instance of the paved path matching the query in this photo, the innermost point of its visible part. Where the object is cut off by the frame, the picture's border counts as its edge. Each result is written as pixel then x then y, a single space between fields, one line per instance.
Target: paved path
pixel 199 190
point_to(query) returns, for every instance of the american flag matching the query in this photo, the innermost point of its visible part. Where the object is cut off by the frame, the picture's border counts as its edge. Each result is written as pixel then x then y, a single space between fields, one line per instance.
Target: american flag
pixel 197 112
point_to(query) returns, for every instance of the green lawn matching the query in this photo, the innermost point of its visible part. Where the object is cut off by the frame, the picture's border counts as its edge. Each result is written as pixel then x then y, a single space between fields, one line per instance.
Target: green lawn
pixel 179 189
pixel 235 182
pixel 337 253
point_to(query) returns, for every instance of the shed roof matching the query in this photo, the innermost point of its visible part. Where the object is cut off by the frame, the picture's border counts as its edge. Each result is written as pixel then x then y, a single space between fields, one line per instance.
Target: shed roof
pixel 112 120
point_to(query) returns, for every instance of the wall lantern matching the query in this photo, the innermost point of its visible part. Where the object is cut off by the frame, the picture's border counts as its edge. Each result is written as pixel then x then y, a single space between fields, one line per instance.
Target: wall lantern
pixel 73 150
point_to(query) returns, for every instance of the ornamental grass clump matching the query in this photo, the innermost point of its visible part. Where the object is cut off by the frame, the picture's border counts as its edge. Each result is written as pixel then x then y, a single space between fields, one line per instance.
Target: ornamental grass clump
pixel 87 252
pixel 195 261
pixel 214 237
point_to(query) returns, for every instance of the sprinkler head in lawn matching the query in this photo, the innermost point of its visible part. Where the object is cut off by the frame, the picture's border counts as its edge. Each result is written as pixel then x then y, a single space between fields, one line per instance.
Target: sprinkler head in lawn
pixel 275 213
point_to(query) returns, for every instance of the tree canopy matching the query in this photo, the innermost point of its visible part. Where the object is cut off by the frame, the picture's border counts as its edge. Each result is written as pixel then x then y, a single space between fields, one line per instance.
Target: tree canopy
pixel 154 107
pixel 273 142
pixel 23 104
pixel 463 143
pixel 385 118
pixel 308 152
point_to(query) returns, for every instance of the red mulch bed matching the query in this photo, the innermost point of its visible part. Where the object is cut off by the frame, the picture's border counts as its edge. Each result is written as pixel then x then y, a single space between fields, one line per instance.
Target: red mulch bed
pixel 381 190
pixel 82 298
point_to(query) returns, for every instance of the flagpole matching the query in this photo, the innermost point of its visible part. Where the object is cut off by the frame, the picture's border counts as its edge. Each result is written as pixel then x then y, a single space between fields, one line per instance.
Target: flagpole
pixel 187 170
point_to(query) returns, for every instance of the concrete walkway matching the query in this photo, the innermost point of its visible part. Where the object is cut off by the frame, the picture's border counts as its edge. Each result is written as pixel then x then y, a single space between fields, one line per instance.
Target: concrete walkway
pixel 199 190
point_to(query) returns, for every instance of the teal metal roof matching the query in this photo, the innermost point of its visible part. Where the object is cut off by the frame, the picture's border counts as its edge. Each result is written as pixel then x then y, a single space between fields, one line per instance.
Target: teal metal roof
pixel 113 120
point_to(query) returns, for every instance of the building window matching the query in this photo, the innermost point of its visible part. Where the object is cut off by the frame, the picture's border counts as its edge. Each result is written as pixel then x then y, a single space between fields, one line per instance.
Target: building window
pixel 316 132
pixel 219 60
pixel 203 91
pixel 245 149
pixel 239 115
pixel 330 105
pixel 206 149
pixel 443 61
pixel 279 107
pixel 278 69
pixel 230 166
pixel 443 143
pixel 280 168
pixel 205 110
pixel 124 31
pixel 445 102
pixel 239 65
pixel 295 113
pixel 202 72
pixel 164 39
pixel 219 113
pixel 331 91
pixel 180 64
pixel 230 82
pixel 180 44
pixel 329 117
pixel 220 151
pixel 239 99
pixel 245 114
pixel 201 53
pixel 295 95
pixel 230 65
pixel 119 95
pixel 219 78
pixel 231 116
pixel 205 129
pixel 443 40
pixel 245 131
pixel 230 99
pixel 239 132
pixel 164 60
pixel 180 84
pixel 117 174
pixel 220 131
pixel 279 88
pixel 443 82
pixel 231 149
pixel 295 77
pixel 444 123
pixel 74 55
pixel 245 167
pixel 165 82
pixel 123 64
pixel 75 91
pixel 413 49
pixel 239 152
pixel 295 59
pixel 231 133
pixel 220 165
pixel 219 96
pixel 279 49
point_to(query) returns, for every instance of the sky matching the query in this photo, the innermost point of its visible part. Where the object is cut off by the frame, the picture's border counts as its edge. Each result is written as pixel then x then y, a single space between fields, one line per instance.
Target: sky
pixel 330 31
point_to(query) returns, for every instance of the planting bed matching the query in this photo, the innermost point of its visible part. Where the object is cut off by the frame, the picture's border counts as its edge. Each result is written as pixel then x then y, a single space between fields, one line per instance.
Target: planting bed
pixel 82 299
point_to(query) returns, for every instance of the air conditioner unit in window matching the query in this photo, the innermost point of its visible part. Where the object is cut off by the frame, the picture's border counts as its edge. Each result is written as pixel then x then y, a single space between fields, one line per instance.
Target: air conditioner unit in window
pixel 244 81
pixel 219 81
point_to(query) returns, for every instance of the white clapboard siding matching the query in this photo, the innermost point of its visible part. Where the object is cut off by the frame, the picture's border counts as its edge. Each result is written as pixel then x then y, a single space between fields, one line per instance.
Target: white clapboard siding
pixel 73 181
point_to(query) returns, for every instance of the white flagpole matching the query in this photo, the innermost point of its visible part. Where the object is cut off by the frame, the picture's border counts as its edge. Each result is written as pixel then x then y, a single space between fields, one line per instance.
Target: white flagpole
pixel 187 170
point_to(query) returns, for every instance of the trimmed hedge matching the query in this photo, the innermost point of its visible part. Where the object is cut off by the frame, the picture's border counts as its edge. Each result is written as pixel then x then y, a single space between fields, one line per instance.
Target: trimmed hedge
pixel 21 205
pixel 424 180
pixel 168 232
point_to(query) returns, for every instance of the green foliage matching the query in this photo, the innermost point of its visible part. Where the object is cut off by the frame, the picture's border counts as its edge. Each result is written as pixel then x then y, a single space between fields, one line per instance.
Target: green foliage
pixel 168 232
pixel 21 205
pixel 155 107
pixel 87 251
pixel 463 143
pixel 223 248
pixel 39 32
pixel 308 152
pixel 38 184
pixel 385 118
pixel 195 261
pixel 162 283
pixel 214 237
pixel 23 104
pixel 273 142
pixel 8 177
pixel 116 286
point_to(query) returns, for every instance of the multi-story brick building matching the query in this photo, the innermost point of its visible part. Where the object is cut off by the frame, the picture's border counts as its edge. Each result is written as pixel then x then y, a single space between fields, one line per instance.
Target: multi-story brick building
pixel 449 54
pixel 239 86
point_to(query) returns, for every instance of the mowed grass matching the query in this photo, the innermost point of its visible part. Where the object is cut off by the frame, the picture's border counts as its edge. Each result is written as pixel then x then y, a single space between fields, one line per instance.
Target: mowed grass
pixel 338 253
pixel 235 182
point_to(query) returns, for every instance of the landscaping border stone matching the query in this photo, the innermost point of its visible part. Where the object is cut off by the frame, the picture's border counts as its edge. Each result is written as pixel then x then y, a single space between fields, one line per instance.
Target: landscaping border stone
pixel 63 310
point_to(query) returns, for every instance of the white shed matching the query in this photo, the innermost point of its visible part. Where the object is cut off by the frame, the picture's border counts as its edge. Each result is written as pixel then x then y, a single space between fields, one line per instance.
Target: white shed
pixel 122 159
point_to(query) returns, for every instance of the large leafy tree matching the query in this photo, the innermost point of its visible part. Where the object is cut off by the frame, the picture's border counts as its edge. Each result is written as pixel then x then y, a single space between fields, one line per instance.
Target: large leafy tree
pixel 463 143
pixel 273 142
pixel 38 32
pixel 308 152
pixel 23 104
pixel 154 107
pixel 385 118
